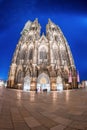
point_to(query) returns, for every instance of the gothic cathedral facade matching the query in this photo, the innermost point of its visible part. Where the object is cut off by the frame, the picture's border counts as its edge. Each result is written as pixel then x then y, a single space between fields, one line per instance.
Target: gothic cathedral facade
pixel 42 62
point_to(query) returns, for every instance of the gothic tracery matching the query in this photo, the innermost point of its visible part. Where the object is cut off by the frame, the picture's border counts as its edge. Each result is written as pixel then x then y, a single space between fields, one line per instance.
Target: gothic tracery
pixel 36 55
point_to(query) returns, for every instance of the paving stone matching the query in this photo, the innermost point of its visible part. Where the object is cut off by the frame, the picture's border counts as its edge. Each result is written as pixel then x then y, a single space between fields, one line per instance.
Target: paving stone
pixel 5 124
pixel 78 125
pixel 7 129
pixel 47 122
pixel 74 112
pixel 23 127
pixel 59 127
pixel 69 128
pixel 39 128
pixel 31 122
pixel 62 120
pixel 19 124
pixel 21 110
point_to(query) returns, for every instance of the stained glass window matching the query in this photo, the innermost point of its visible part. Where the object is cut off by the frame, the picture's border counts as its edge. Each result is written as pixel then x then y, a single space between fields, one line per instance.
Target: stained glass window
pixel 43 53
pixel 20 75
pixel 22 54
pixel 31 54
pixel 55 54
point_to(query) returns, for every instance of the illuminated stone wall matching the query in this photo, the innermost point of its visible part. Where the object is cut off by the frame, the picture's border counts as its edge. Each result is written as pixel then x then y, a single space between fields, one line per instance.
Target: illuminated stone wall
pixel 35 55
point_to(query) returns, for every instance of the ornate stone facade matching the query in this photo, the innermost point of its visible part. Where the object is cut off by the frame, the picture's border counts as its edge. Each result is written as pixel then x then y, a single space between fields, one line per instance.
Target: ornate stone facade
pixel 42 62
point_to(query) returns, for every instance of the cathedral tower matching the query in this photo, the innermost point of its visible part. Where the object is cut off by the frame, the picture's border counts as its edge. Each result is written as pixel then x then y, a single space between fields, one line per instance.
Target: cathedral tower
pixel 42 62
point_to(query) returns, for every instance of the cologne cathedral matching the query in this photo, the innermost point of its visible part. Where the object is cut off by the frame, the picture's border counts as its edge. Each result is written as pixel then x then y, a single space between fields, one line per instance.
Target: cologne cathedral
pixel 42 61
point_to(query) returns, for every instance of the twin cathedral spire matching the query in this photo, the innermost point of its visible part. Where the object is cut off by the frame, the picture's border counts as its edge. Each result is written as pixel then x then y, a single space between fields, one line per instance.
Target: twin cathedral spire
pixel 36 54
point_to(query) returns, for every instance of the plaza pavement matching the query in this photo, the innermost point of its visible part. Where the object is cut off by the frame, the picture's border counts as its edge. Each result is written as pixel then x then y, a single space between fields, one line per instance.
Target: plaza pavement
pixel 66 110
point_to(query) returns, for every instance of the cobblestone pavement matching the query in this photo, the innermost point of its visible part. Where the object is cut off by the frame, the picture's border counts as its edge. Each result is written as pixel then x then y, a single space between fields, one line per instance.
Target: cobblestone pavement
pixel 66 110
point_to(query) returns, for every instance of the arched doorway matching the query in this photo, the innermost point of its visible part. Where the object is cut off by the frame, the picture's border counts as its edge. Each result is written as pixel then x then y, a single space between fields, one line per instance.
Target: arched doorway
pixel 43 82
pixel 59 84
pixel 27 83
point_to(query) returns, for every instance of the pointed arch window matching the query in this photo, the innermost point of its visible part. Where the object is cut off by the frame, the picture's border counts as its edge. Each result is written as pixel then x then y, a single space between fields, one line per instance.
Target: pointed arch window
pixel 20 76
pixel 22 54
pixel 43 53
pixel 63 51
pixel 55 52
pixel 63 54
pixel 56 38
pixel 31 54
pixel 30 38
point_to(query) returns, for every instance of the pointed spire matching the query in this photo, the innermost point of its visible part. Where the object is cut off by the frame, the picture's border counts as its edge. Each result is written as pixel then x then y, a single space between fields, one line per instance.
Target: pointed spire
pixel 36 20
pixel 26 26
pixel 49 21
pixel 78 77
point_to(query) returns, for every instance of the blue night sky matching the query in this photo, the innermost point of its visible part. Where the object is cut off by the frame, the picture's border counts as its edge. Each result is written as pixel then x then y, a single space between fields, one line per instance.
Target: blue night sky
pixel 70 15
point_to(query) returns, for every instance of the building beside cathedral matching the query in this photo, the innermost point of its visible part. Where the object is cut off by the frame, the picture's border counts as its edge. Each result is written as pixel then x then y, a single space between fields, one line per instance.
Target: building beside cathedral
pixel 42 62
